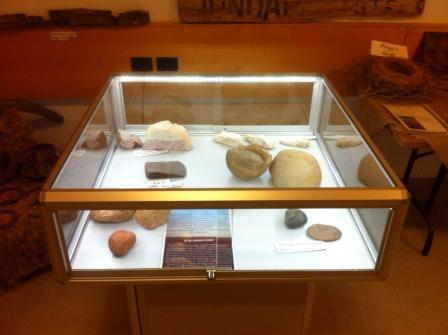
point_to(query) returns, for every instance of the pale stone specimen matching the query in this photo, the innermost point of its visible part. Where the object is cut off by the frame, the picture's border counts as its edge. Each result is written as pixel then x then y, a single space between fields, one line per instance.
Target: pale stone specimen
pixel 260 140
pixel 152 218
pixel 296 142
pixel 370 174
pixel 121 241
pixel 348 141
pixel 322 232
pixel 111 215
pixel 295 168
pixel 95 141
pixel 231 139
pixel 165 135
pixel 248 162
pixel 127 140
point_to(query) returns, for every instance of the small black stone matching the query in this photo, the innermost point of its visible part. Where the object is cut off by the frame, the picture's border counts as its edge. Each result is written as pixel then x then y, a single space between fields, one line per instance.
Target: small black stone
pixel 295 218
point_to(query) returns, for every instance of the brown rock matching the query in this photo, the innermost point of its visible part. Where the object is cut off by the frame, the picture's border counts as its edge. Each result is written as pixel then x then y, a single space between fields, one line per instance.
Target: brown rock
pixel 160 170
pixel 248 162
pixel 111 216
pixel 295 168
pixel 322 232
pixel 121 241
pixel 128 140
pixel 95 141
pixel 152 218
pixel 370 174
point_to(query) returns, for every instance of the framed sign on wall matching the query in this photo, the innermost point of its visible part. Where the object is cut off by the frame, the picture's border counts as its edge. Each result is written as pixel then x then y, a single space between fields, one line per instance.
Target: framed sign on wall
pixel 288 11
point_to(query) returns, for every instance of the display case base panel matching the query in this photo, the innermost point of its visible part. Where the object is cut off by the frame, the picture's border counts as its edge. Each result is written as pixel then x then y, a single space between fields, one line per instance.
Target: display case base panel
pixel 93 251
pixel 257 231
pixel 205 163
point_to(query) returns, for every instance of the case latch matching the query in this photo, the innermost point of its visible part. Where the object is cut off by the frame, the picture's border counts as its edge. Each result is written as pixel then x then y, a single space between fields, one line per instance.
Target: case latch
pixel 211 274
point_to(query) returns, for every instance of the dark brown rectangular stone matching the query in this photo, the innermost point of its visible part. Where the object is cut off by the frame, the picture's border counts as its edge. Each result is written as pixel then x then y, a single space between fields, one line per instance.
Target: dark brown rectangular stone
pixel 161 170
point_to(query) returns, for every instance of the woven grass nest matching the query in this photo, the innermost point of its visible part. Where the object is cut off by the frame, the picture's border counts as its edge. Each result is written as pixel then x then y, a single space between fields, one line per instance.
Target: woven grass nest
pixel 397 79
pixel 397 76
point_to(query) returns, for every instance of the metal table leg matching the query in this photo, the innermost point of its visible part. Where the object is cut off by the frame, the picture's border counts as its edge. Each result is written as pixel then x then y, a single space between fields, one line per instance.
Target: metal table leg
pixel 407 173
pixel 429 204
pixel 431 198
pixel 441 175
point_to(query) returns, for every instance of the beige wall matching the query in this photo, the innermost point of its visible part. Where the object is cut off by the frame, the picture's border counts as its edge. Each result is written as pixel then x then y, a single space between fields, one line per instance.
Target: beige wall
pixel 166 10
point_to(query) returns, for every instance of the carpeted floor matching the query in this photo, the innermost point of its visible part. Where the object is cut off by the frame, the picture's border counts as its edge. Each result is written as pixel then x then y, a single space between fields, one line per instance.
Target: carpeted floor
pixel 412 301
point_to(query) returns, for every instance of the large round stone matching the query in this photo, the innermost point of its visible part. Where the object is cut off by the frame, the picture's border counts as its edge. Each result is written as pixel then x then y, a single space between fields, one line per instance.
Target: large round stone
pixel 370 174
pixel 248 162
pixel 295 168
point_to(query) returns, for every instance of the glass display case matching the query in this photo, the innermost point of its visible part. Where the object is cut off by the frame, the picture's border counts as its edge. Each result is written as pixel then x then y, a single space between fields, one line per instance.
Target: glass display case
pixel 221 177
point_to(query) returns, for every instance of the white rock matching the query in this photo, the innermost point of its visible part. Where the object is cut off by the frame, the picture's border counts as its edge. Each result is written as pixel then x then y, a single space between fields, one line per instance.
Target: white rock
pixel 165 135
pixel 260 140
pixel 296 142
pixel 348 141
pixel 231 139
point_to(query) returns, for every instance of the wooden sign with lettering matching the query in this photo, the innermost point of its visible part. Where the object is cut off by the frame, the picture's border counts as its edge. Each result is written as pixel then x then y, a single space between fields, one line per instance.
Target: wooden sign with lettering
pixel 289 11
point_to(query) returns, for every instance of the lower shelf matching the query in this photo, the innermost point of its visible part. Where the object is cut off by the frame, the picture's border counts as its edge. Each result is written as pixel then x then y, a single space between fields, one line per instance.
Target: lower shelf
pixel 254 234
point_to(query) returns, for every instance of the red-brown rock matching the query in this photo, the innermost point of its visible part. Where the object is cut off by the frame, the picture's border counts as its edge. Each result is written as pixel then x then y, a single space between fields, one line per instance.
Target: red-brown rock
pixel 121 241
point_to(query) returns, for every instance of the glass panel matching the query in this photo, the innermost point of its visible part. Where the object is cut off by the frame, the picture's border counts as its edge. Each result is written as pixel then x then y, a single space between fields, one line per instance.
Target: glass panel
pixel 218 103
pixel 239 239
pixel 85 163
pixel 347 150
pixel 220 132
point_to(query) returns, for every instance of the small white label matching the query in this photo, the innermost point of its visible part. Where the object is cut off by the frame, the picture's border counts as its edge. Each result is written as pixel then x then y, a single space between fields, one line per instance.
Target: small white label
pixel 145 153
pixel 62 35
pixel 383 49
pixel 78 153
pixel 164 183
pixel 296 246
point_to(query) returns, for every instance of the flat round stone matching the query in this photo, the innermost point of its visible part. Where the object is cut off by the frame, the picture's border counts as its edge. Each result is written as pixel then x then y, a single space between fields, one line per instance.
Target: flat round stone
pixel 323 232
pixel 295 218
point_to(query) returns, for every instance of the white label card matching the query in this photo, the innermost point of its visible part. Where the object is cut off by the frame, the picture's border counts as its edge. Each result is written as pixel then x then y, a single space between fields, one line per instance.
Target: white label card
pixel 384 49
pixel 62 35
pixel 78 153
pixel 164 183
pixel 296 246
pixel 145 153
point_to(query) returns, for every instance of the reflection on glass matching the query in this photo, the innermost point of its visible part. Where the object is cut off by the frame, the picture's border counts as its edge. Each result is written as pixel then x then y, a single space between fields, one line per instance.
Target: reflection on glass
pixel 84 164
pixel 218 103
pixel 347 149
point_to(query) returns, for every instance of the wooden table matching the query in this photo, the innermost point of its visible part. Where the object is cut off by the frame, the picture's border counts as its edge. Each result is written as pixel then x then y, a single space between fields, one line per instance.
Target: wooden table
pixel 375 118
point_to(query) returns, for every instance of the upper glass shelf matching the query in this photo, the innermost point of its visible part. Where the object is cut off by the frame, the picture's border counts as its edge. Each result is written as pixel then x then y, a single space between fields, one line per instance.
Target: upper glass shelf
pixel 181 131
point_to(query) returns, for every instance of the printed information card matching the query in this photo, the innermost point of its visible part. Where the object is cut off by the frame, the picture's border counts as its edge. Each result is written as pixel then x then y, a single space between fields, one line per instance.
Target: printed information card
pixel 198 238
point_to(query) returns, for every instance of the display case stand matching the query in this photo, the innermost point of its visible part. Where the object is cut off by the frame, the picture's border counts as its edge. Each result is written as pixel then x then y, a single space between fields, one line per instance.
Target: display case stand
pixel 234 308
